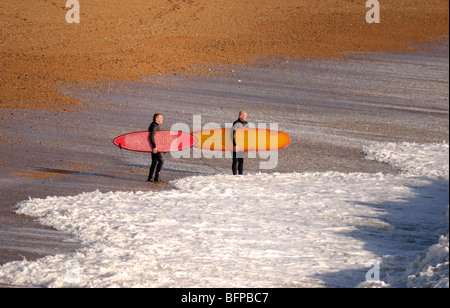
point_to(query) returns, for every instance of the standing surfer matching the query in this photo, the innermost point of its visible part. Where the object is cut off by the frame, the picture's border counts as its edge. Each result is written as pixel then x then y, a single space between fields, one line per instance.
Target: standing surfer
pixel 157 159
pixel 238 156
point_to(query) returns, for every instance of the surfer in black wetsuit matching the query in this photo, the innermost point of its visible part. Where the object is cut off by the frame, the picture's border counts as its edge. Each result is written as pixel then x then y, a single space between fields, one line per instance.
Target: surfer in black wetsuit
pixel 238 156
pixel 157 159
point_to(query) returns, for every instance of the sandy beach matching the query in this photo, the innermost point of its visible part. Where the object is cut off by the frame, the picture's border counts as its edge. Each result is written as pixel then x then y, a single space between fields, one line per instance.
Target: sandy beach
pixel 67 89
pixel 129 40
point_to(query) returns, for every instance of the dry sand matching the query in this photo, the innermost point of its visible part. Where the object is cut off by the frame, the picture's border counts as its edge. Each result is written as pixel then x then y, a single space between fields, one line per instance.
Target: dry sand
pixel 124 40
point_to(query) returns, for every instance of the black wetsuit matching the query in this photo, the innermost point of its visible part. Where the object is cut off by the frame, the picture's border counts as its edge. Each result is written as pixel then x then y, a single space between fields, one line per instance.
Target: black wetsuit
pixel 238 157
pixel 157 159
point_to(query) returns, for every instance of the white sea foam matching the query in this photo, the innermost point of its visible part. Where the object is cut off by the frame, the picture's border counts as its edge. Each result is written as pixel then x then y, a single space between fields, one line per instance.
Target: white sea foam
pixel 259 230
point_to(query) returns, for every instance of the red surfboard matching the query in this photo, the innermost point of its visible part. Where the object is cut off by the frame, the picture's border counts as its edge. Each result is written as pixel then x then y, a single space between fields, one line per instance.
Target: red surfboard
pixel 166 141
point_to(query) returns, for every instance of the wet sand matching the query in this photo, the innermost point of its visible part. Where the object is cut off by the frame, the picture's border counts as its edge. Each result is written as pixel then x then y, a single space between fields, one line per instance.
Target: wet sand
pixel 331 108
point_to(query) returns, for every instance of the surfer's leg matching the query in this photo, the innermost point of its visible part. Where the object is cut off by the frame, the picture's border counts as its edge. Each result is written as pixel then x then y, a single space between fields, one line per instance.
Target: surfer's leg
pixel 160 160
pixel 241 166
pixel 152 167
pixel 235 164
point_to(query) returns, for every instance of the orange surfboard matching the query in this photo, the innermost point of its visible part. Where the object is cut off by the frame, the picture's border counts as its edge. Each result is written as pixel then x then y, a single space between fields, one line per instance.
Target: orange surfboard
pixel 247 139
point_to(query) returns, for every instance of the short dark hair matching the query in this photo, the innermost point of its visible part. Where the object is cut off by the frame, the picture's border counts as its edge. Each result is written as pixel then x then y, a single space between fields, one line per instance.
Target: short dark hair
pixel 156 115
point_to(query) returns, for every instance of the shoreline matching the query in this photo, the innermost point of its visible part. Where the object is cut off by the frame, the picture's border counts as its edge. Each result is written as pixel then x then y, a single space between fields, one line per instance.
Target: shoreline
pixel 53 87
pixel 59 153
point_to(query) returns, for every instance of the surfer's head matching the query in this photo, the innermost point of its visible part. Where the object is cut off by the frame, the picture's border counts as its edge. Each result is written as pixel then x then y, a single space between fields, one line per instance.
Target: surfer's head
pixel 158 118
pixel 243 116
